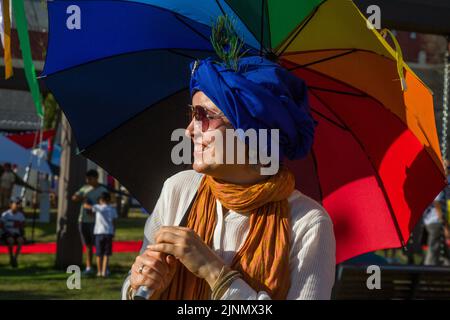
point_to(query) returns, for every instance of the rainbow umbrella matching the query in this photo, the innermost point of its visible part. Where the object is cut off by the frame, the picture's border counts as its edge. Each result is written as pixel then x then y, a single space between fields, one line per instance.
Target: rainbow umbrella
pixel 119 70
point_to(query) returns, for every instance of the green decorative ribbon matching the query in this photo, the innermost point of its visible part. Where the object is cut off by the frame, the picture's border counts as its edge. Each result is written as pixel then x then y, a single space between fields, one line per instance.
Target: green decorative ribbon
pixel 30 72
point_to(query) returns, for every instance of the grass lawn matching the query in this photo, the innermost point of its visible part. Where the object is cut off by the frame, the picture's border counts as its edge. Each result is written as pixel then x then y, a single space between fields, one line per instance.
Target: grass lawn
pixel 36 277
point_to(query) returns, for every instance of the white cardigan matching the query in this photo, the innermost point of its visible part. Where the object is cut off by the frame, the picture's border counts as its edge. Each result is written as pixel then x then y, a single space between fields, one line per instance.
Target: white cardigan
pixel 312 253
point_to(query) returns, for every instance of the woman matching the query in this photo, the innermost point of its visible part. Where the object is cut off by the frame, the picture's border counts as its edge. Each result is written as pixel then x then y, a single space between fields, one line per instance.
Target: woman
pixel 246 235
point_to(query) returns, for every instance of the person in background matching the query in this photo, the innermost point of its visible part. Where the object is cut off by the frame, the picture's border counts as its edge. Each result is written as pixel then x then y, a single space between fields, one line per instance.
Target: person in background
pixel 104 227
pixel 88 194
pixel 13 221
pixel 7 180
pixel 437 230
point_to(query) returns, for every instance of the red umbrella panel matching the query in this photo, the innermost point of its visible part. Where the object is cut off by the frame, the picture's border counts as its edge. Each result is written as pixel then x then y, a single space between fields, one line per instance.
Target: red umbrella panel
pixel 367 168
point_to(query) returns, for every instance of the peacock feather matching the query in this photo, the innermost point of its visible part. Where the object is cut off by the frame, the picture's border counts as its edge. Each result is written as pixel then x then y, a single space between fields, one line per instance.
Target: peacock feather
pixel 226 42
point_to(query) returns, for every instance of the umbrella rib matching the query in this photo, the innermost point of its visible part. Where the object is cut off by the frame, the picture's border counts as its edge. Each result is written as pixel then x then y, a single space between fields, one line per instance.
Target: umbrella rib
pixel 301 66
pixel 261 43
pixel 316 169
pixel 377 176
pixel 269 31
pixel 173 50
pixel 329 119
pixel 177 16
pixel 362 95
pixel 221 8
pixel 240 18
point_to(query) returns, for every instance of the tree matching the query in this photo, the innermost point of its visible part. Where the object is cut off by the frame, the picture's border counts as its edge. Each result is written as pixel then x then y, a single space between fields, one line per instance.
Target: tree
pixel 69 248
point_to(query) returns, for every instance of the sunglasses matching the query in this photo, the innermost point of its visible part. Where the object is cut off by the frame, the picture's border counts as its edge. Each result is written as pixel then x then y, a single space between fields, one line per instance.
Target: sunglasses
pixel 200 113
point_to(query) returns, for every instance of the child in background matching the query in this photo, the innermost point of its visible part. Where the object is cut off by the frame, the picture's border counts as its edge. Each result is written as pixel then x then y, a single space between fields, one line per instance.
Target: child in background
pixel 13 223
pixel 103 231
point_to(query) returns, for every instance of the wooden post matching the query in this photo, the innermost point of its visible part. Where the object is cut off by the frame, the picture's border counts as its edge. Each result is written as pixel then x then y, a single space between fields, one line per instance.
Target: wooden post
pixel 72 174
pixel 118 198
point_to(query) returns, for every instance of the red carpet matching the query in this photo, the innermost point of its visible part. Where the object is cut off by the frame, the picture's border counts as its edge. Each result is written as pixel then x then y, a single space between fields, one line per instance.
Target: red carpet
pixel 50 247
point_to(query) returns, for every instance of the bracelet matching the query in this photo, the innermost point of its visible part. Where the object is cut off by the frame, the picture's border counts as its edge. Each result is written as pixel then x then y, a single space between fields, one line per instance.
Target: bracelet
pixel 222 271
pixel 130 293
pixel 223 283
pixel 226 285
pixel 225 269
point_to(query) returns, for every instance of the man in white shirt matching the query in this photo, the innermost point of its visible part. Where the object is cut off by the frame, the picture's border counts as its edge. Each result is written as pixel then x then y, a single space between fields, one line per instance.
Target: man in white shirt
pixel 13 221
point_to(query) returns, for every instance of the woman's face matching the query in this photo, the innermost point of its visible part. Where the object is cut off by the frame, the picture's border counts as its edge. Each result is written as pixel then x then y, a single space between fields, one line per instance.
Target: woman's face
pixel 209 156
pixel 214 137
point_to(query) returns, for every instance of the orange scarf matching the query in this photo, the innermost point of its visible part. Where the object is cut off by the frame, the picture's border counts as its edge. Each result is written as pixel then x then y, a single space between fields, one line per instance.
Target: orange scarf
pixel 263 259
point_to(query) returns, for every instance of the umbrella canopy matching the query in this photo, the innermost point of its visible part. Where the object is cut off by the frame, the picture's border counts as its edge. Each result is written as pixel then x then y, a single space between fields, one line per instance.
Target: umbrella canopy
pixel 14 153
pixel 375 163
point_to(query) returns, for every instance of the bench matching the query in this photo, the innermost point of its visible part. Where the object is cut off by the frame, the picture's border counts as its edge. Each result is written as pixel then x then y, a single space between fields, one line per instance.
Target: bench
pixel 402 282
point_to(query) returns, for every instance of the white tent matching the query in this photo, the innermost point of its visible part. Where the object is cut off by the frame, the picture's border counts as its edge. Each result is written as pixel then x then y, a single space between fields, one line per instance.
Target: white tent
pixel 16 154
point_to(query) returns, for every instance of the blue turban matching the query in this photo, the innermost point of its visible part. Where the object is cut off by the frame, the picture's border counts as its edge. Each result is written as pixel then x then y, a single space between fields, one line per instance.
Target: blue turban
pixel 259 95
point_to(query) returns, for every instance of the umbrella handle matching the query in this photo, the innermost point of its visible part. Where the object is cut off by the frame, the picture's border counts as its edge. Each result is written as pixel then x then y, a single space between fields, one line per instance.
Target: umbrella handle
pixel 399 56
pixel 143 293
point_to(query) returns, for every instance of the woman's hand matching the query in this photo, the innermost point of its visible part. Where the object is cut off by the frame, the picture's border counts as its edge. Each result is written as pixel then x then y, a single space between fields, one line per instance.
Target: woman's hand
pixel 189 248
pixel 157 269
